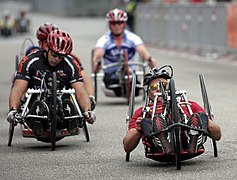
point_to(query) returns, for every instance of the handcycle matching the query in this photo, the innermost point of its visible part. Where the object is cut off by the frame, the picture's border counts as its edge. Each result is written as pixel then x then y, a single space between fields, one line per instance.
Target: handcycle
pixel 50 111
pixel 172 100
pixel 125 71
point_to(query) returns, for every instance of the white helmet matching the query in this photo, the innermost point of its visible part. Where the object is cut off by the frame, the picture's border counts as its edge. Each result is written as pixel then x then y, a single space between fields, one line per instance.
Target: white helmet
pixel 116 15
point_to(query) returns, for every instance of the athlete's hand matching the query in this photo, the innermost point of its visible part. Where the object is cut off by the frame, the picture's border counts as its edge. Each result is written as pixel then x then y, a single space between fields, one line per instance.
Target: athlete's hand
pixel 138 124
pixel 90 116
pixel 11 115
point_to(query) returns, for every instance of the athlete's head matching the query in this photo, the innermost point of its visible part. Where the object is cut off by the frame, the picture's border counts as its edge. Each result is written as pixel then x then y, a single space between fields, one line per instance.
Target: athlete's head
pixel 43 32
pixel 117 21
pixel 59 45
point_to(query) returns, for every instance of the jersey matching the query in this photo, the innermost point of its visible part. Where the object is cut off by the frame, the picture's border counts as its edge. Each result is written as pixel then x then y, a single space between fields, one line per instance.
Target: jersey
pixel 113 53
pixel 35 64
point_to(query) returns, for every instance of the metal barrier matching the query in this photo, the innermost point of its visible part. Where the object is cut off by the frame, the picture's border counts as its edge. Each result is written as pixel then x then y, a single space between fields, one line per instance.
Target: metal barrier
pixel 200 28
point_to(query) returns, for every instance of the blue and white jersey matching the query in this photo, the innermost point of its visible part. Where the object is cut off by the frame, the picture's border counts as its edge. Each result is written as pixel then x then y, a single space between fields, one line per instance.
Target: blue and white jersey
pixel 112 52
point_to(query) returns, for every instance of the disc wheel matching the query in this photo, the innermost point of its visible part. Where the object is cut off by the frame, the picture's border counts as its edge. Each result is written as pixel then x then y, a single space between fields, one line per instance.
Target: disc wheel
pixel 54 111
pixel 131 106
pixel 207 107
pixel 175 117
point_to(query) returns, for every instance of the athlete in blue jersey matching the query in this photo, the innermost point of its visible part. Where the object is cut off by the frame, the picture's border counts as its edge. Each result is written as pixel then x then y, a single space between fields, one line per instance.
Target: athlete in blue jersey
pixel 114 43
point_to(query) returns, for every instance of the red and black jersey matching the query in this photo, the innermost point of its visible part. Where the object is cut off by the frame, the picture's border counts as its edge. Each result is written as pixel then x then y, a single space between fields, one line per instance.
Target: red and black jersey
pixel 34 65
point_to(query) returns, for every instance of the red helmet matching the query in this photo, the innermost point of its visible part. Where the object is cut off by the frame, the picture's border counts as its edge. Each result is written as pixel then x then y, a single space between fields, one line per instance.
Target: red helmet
pixel 60 42
pixel 116 15
pixel 44 30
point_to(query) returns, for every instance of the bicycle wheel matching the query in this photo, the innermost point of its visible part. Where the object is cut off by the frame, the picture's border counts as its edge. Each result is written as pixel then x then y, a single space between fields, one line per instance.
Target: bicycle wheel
pixel 85 130
pixel 175 118
pixel 54 111
pixel 10 133
pixel 131 106
pixel 207 107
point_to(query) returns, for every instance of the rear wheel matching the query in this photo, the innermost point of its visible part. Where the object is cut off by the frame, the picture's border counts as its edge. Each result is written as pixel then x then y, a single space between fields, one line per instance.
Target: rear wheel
pixel 207 107
pixel 54 111
pixel 175 118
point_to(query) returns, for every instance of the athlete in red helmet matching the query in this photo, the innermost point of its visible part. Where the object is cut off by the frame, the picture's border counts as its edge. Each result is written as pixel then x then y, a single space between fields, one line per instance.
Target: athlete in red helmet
pixel 55 58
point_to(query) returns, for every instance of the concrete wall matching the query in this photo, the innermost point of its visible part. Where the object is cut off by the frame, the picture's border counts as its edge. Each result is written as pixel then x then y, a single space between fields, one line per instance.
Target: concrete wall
pixel 199 28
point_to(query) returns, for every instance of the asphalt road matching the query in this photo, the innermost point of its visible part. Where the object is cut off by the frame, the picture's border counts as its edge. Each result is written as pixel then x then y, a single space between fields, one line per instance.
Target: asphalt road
pixel 103 157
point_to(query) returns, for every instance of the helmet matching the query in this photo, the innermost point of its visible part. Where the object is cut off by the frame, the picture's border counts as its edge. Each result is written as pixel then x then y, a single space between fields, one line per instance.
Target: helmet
pixel 60 42
pixel 116 15
pixel 44 30
pixel 155 73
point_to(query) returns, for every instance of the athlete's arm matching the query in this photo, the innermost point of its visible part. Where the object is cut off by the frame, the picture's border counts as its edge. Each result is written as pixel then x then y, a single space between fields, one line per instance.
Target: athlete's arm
pixel 142 51
pixel 19 87
pixel 97 55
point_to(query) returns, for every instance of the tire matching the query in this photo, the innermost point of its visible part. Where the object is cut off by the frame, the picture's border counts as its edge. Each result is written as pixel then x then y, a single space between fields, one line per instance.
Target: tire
pixel 85 130
pixel 207 107
pixel 132 97
pixel 131 106
pixel 10 133
pixel 177 129
pixel 54 112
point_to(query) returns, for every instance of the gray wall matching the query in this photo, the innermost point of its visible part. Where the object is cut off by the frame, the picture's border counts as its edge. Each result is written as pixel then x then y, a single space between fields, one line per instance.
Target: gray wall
pixel 199 28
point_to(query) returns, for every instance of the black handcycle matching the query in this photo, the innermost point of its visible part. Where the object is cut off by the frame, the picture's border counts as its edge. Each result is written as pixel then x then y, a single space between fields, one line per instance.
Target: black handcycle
pixel 46 105
pixel 172 100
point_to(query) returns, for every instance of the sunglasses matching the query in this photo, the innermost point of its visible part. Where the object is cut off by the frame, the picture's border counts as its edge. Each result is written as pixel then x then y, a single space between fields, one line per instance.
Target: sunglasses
pixel 156 86
pixel 54 54
pixel 113 23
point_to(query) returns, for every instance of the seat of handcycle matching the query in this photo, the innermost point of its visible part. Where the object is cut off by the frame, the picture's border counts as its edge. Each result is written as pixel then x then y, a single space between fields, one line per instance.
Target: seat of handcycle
pixel 162 157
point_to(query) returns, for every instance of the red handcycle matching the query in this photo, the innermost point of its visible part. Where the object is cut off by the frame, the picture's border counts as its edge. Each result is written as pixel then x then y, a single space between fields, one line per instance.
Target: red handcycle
pixel 172 100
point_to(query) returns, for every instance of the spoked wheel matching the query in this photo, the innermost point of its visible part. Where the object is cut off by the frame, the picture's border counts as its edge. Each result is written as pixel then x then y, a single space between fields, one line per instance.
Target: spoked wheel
pixel 207 107
pixel 54 111
pixel 131 105
pixel 10 133
pixel 85 130
pixel 175 117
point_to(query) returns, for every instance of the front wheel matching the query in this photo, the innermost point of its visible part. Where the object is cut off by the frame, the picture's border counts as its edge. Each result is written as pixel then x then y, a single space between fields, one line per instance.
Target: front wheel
pixel 177 129
pixel 54 111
